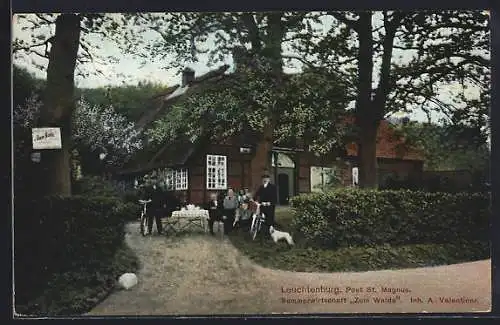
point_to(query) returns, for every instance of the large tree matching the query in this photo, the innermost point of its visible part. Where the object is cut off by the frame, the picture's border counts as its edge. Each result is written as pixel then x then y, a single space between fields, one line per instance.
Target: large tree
pixel 262 94
pixel 95 130
pixel 402 61
pixel 65 40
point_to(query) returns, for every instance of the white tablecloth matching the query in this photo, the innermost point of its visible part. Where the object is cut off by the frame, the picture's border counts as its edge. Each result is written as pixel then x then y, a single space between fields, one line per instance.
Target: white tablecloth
pixel 191 214
pixel 191 217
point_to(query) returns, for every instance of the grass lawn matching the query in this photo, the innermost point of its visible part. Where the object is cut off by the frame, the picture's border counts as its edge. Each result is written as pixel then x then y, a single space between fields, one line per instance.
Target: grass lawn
pixel 79 290
pixel 308 259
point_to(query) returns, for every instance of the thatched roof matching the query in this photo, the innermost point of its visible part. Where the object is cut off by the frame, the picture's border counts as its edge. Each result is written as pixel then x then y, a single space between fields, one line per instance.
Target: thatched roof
pixel 179 153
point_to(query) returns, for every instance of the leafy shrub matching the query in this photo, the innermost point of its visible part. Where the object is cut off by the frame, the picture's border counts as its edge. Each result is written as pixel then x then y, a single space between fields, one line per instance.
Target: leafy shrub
pixel 129 211
pixel 354 217
pixel 57 234
pixel 80 289
pixel 131 196
pixel 358 259
pixel 94 186
pixel 127 201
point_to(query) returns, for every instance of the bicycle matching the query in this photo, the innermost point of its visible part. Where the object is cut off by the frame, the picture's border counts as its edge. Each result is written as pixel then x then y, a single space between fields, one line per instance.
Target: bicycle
pixel 258 219
pixel 143 228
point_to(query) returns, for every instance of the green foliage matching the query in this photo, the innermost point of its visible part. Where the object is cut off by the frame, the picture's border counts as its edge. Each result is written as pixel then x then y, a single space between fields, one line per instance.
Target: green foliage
pixel 79 290
pixel 430 54
pixel 303 257
pixel 128 100
pixel 130 211
pixel 358 259
pixel 128 207
pixel 352 217
pixel 447 147
pixel 315 105
pixel 94 186
pixel 24 85
pixel 59 234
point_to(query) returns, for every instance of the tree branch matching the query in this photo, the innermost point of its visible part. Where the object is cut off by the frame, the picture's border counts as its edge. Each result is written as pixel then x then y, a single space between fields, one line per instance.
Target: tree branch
pixel 352 24
pixel 39 54
pixel 48 21
pixel 87 51
pixel 30 47
pixel 314 67
pixel 253 31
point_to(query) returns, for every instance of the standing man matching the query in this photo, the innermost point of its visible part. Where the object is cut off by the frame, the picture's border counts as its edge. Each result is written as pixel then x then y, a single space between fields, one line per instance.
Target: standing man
pixel 267 196
pixel 157 204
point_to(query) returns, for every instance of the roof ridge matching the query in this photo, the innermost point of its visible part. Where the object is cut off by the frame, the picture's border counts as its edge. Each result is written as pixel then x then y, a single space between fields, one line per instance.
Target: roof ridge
pixel 212 73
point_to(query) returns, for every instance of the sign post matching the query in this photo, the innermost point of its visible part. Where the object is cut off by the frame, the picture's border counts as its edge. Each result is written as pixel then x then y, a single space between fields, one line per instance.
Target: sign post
pixel 46 138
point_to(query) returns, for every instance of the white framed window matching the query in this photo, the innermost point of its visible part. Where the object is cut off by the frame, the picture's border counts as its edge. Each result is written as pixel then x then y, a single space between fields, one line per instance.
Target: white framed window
pixel 181 179
pixel 169 179
pixel 174 179
pixel 216 172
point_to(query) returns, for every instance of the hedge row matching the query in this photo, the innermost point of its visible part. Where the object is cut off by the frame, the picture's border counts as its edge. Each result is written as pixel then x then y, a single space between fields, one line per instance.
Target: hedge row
pixel 93 186
pixel 58 234
pixel 355 217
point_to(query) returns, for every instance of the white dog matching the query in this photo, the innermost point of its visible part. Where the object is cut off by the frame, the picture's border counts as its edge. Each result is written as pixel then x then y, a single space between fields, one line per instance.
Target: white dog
pixel 277 235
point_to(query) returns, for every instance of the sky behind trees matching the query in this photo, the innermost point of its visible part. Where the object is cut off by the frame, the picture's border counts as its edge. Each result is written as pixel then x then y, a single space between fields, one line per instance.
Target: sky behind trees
pixel 129 69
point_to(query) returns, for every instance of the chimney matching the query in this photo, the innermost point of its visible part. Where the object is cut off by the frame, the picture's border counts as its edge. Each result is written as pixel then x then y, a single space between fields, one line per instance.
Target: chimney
pixel 187 76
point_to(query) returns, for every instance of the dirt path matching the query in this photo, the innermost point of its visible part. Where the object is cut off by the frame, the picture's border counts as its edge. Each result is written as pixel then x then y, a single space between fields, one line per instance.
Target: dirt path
pixel 205 276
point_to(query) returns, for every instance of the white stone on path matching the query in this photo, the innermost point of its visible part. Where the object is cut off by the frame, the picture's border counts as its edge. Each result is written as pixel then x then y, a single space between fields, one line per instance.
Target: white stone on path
pixel 127 280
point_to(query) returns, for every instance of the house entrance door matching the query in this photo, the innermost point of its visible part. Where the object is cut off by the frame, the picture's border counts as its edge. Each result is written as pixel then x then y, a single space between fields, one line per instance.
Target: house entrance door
pixel 283 189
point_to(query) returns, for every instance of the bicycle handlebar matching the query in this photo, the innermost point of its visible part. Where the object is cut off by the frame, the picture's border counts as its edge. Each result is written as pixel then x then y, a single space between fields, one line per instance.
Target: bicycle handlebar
pixel 144 201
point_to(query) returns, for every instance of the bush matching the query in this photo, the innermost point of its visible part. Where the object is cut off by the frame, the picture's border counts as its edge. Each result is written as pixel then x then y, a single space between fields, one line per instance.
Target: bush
pixel 354 217
pixel 127 201
pixel 58 234
pixel 79 290
pixel 129 211
pixel 359 259
pixel 94 186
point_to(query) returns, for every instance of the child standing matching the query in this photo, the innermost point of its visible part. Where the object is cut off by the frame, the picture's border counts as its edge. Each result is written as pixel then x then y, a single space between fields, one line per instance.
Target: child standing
pixel 214 212
pixel 230 205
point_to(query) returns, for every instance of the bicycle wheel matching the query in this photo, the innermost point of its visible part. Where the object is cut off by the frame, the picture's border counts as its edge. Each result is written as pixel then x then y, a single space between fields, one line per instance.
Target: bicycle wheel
pixel 144 225
pixel 256 229
pixel 253 228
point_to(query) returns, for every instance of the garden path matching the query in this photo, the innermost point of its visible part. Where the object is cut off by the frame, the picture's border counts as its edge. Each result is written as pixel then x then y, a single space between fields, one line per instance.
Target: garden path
pixel 202 275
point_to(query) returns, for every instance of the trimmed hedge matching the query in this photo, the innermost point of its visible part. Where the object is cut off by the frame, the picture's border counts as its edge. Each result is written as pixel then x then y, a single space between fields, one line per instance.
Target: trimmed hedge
pixel 356 217
pixel 94 186
pixel 58 234
pixel 130 211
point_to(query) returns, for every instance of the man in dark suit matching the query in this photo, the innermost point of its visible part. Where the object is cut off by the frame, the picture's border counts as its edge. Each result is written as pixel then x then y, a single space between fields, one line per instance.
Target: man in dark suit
pixel 155 210
pixel 267 193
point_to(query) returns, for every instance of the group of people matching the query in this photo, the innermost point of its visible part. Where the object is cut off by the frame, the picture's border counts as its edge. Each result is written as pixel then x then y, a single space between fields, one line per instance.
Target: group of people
pixel 225 207
pixel 163 203
pixel 231 207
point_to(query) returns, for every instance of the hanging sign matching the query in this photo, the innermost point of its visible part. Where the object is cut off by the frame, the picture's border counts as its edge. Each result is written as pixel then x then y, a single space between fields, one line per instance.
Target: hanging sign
pixel 46 138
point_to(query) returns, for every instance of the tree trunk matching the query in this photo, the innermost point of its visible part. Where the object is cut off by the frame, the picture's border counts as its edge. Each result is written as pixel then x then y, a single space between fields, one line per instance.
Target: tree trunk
pixel 59 103
pixel 367 155
pixel 261 162
pixel 367 119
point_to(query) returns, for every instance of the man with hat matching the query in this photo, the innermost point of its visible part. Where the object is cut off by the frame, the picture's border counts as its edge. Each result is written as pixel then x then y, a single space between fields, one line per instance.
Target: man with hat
pixel 267 196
